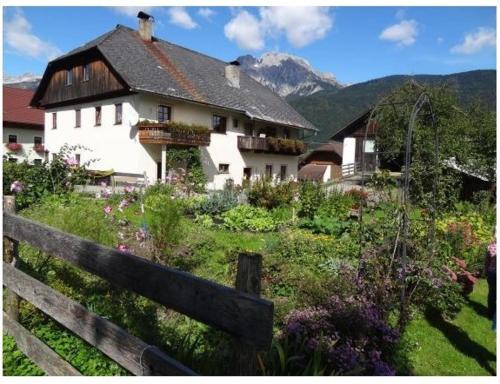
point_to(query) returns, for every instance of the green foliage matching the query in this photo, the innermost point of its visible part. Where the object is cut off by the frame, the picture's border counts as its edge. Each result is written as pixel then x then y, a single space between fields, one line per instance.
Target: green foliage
pixel 217 202
pixel 56 177
pixel 15 363
pixel 311 197
pixel 290 146
pixel 327 225
pixel 263 193
pixel 188 159
pixel 245 217
pixel 164 224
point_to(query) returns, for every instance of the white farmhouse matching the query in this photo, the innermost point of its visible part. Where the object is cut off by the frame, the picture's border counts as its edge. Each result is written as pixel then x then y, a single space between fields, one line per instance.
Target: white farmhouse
pixel 100 94
pixel 22 127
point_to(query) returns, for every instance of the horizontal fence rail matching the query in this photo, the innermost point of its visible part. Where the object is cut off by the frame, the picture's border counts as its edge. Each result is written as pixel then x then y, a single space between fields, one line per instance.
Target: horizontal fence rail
pixel 245 316
pixel 129 351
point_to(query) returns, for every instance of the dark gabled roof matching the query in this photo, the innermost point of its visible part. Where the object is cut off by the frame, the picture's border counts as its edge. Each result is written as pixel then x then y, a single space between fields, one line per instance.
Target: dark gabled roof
pixel 332 146
pixel 16 108
pixel 185 74
pixel 353 125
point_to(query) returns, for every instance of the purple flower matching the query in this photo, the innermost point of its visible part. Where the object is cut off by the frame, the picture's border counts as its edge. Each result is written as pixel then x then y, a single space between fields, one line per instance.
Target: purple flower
pixel 381 368
pixel 16 187
pixel 344 358
pixel 141 235
pixel 123 204
pixel 492 249
pixel 107 209
pixel 106 193
pixel 103 184
pixel 128 188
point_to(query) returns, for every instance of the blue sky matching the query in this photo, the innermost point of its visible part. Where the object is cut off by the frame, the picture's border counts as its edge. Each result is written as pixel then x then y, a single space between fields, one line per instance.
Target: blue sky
pixel 353 43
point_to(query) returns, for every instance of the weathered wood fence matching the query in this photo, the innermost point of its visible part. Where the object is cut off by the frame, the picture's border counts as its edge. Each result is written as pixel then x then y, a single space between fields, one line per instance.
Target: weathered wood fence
pixel 239 312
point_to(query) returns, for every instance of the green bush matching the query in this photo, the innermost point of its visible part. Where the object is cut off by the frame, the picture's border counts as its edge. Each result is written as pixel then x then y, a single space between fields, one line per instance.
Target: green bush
pixel 245 217
pixel 37 181
pixel 327 225
pixel 217 202
pixel 262 193
pixel 312 196
pixel 163 216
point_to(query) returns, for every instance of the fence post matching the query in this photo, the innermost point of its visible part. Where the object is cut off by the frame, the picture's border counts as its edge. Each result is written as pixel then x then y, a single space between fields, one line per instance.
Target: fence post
pixel 247 280
pixel 11 256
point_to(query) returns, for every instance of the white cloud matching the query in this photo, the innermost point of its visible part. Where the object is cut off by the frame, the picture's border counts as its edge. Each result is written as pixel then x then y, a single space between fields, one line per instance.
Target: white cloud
pixel 476 41
pixel 300 25
pixel 180 17
pixel 246 31
pixel 206 13
pixel 132 11
pixel 19 37
pixel 404 33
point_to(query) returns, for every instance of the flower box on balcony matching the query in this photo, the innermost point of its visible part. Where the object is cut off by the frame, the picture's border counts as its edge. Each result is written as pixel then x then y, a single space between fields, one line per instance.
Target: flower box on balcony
pixel 271 145
pixel 39 148
pixel 174 133
pixel 14 147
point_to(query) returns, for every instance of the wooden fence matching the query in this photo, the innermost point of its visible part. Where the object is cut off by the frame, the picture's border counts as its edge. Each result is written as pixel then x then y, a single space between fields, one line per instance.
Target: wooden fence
pixel 239 312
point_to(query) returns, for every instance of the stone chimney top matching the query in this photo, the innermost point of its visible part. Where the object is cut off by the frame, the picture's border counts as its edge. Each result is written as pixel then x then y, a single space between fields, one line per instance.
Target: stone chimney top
pixel 233 74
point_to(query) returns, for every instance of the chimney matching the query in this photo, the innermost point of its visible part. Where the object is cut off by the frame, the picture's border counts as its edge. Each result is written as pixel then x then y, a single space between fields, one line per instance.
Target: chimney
pixel 233 74
pixel 145 26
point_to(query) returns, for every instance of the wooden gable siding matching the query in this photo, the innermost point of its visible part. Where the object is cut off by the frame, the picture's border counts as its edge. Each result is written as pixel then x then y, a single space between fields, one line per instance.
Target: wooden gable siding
pixel 102 81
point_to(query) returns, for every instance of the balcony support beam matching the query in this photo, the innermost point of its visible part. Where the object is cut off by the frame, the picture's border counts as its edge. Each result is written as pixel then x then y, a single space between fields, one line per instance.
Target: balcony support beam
pixel 163 163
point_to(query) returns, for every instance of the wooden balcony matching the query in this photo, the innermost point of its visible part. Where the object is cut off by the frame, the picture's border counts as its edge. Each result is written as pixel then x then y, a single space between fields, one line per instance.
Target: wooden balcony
pixel 271 145
pixel 163 134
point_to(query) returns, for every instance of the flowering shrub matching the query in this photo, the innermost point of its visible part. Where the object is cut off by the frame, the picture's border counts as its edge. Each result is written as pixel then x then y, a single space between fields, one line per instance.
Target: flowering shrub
pixel 349 333
pixel 311 197
pixel 262 193
pixel 14 147
pixel 16 187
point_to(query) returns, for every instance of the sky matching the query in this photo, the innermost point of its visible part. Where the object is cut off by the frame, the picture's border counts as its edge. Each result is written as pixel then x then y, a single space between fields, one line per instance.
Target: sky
pixel 355 44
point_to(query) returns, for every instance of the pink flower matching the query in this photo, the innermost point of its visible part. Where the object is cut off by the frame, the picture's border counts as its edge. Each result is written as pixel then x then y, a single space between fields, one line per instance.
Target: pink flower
pixel 106 193
pixel 16 187
pixel 107 209
pixel 123 204
pixel 103 184
pixel 123 248
pixel 128 188
pixel 71 161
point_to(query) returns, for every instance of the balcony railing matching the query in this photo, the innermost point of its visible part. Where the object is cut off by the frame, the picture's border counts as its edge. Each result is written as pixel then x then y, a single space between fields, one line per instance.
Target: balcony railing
pixel 271 145
pixel 163 134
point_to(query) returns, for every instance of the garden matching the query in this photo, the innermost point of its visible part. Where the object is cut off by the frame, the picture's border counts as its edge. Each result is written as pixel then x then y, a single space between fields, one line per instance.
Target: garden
pixel 332 266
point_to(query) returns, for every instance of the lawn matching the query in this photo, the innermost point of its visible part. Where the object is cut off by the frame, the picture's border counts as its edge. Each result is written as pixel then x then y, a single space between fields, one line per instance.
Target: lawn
pixel 464 346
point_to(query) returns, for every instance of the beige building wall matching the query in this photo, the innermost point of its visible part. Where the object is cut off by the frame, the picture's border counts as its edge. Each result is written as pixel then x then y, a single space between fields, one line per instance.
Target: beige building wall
pixel 26 137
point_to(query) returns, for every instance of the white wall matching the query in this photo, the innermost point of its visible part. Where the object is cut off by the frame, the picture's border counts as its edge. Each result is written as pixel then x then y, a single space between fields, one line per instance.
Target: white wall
pixel 117 147
pixel 26 138
pixel 349 150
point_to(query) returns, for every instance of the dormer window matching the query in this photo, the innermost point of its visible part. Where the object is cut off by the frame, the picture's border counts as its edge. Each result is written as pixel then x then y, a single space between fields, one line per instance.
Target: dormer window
pixel 69 76
pixel 86 72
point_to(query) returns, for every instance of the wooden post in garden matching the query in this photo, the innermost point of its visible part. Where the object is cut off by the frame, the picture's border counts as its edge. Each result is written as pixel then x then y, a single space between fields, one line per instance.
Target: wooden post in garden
pixel 247 280
pixel 11 256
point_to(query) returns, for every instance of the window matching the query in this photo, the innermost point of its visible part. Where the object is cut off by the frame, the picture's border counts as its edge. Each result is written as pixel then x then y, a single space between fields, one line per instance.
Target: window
pixel 86 72
pixel 12 160
pixel 235 123
pixel 37 161
pixel 248 129
pixel 369 146
pixel 54 120
pixel 247 173
pixel 219 123
pixel 118 113
pixel 37 140
pixel 283 173
pixel 12 139
pixel 78 118
pixel 164 113
pixel 223 168
pixel 97 115
pixel 69 76
pixel 77 158
pixel 269 171
pixel 286 133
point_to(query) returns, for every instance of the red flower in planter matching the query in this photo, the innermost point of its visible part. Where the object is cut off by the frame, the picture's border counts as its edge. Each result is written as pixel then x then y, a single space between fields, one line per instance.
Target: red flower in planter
pixel 39 148
pixel 14 147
